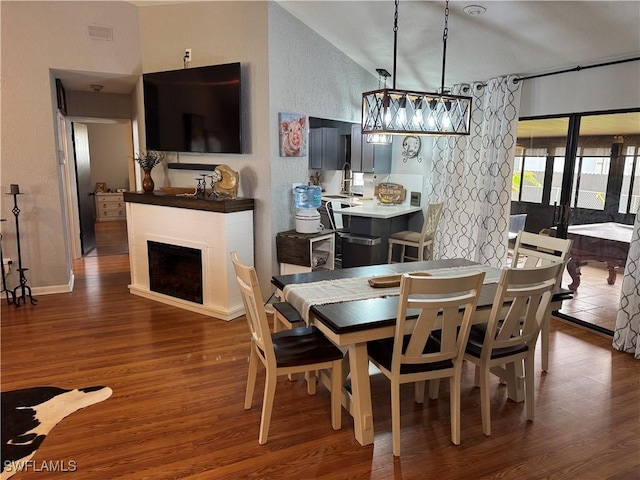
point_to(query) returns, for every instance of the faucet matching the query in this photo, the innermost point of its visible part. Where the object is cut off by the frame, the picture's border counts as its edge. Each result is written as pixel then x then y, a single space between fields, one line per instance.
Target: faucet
pixel 346 178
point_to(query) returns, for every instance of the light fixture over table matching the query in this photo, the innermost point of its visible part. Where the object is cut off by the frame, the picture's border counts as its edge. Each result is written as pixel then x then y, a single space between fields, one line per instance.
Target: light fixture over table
pixel 402 112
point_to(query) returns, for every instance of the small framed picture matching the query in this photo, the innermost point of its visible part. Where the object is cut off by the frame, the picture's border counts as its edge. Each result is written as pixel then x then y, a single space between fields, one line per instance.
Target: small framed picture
pixel 101 187
pixel 293 131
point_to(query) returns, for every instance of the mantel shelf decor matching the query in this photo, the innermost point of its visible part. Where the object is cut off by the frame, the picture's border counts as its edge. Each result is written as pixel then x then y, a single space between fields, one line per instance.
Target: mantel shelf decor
pixel 147 160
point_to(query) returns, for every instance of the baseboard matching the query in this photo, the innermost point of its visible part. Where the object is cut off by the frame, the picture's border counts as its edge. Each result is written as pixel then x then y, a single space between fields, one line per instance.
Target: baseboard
pixel 53 289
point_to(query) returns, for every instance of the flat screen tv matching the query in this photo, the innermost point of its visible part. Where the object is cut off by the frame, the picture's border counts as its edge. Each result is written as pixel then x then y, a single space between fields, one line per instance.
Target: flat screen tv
pixel 194 109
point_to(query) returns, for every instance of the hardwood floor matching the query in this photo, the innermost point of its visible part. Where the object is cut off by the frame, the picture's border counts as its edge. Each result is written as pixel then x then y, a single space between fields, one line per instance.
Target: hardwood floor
pixel 177 409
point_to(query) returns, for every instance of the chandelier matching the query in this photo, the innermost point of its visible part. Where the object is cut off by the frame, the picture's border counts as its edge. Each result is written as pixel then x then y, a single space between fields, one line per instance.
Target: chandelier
pixel 391 111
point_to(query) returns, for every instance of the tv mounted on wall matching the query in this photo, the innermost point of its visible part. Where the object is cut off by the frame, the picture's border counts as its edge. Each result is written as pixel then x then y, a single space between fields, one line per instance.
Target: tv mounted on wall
pixel 194 109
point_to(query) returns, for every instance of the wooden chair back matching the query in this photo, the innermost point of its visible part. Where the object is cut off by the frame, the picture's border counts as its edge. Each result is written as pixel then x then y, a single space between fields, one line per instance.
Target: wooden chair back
pixel 445 303
pixel 528 293
pixel 431 220
pixel 540 250
pixel 254 308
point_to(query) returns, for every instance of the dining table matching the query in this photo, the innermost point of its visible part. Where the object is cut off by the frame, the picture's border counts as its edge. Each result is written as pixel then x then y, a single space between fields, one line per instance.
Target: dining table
pixel 357 316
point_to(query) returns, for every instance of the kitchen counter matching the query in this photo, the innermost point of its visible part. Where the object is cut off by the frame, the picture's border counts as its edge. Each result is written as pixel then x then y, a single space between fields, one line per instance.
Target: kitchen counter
pixel 374 220
pixel 372 209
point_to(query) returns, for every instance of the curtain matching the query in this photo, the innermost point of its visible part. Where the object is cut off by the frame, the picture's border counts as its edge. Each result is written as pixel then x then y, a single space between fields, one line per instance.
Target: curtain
pixel 626 336
pixel 472 175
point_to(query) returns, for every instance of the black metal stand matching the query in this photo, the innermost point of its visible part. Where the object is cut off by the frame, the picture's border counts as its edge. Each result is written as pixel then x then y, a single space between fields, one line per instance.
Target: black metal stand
pixel 25 290
pixel 8 293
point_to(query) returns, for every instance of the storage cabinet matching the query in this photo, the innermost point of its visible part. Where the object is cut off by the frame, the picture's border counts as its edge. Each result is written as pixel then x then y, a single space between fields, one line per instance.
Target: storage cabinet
pixel 305 252
pixel 324 147
pixel 368 157
pixel 110 207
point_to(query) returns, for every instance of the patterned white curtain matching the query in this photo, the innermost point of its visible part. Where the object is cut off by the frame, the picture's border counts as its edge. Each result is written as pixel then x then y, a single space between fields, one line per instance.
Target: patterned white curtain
pixel 473 175
pixel 626 336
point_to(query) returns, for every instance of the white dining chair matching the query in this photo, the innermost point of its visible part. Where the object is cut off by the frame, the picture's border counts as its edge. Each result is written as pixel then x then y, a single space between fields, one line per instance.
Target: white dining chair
pixel 504 342
pixel 445 304
pixel 531 250
pixel 295 350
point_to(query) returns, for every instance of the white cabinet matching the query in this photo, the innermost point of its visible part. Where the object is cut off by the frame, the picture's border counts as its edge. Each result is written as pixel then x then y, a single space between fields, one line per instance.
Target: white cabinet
pixel 110 207
pixel 305 252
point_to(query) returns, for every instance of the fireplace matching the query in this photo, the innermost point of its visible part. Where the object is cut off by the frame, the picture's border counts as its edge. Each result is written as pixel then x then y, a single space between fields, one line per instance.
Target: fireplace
pixel 175 270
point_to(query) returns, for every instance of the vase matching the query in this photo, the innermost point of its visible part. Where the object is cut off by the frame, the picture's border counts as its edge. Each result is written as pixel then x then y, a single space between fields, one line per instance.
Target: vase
pixel 147 181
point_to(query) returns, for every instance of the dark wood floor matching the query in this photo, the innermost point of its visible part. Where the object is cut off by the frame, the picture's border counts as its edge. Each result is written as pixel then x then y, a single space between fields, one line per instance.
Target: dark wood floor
pixel 178 380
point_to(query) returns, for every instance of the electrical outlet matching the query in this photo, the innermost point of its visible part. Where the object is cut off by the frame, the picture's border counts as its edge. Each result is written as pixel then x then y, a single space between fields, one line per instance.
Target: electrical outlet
pixel 187 55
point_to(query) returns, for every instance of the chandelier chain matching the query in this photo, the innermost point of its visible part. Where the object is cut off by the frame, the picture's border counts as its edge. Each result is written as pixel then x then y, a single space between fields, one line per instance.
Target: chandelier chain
pixel 395 42
pixel 445 34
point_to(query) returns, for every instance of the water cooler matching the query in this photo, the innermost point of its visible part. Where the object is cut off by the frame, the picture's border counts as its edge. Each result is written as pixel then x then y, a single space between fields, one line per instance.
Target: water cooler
pixel 307 200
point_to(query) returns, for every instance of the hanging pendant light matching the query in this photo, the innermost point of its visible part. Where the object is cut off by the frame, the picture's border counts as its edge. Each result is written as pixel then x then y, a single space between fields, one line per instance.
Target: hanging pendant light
pixel 380 138
pixel 402 112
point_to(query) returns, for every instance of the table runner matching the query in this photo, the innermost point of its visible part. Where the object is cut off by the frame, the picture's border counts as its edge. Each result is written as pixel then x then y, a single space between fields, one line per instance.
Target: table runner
pixel 304 295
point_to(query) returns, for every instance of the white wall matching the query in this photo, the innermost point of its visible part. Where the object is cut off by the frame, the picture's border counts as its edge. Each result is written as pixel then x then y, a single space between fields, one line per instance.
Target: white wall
pixel 614 87
pixel 110 154
pixel 37 37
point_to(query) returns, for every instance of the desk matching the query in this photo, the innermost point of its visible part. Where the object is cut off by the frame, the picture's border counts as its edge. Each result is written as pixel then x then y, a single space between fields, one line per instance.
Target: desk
pixel 604 242
pixel 352 324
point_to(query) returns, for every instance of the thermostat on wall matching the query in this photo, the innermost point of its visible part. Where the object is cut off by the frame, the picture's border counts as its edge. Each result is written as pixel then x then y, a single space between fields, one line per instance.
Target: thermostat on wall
pixel 415 199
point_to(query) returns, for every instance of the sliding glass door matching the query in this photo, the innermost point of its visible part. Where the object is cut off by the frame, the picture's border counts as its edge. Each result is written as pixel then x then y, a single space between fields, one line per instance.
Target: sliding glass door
pixel 578 177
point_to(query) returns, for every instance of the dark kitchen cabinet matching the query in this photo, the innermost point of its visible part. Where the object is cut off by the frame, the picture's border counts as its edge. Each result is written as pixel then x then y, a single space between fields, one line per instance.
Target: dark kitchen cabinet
pixel 368 157
pixel 324 147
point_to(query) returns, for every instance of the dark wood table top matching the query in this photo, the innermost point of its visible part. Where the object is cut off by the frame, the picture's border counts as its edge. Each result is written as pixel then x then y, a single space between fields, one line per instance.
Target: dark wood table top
pixel 358 315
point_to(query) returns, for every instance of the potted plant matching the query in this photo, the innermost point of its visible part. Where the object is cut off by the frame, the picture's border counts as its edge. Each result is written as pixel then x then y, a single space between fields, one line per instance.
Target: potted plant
pixel 147 160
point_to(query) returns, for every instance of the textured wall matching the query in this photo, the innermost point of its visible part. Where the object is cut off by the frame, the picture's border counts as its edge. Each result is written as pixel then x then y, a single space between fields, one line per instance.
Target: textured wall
pixel 37 37
pixel 307 75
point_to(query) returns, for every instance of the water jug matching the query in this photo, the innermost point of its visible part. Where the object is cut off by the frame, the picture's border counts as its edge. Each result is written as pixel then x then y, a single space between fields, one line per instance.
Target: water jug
pixel 307 197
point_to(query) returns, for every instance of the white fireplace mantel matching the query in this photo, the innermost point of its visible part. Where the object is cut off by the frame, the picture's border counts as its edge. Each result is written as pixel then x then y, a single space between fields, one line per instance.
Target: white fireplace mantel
pixel 214 233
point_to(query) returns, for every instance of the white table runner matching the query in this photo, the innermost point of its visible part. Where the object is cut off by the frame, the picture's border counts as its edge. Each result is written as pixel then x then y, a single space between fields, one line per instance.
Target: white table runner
pixel 304 295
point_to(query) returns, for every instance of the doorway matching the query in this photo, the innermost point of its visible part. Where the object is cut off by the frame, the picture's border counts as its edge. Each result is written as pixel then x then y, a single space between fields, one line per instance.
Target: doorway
pixel 577 177
pixel 98 170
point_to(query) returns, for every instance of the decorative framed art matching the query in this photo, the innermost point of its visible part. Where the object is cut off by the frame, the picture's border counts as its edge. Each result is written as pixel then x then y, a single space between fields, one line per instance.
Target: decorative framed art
pixel 293 130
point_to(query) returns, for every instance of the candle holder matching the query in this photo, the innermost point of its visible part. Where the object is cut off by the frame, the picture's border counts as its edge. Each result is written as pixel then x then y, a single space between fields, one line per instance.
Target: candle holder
pixel 25 290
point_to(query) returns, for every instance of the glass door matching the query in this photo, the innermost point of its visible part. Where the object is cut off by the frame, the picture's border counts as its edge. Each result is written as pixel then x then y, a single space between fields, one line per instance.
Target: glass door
pixel 577 177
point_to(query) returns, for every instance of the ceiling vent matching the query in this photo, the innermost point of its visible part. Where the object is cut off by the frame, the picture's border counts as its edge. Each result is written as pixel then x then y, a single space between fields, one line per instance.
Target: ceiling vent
pixel 100 32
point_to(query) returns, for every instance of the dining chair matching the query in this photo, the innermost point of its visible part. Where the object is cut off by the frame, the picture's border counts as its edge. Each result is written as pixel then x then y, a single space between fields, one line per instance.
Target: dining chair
pixel 296 350
pixel 337 224
pixel 507 340
pixel 412 355
pixel 532 249
pixel 419 240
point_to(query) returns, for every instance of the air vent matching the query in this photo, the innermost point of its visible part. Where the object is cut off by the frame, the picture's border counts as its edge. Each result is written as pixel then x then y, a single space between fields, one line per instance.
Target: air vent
pixel 100 32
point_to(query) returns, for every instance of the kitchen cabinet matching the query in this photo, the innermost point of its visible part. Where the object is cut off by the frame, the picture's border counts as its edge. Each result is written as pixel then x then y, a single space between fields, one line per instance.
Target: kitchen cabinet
pixel 324 147
pixel 368 157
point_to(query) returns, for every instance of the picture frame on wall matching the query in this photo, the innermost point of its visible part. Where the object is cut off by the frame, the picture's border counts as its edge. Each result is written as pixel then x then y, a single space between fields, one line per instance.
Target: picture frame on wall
pixel 293 131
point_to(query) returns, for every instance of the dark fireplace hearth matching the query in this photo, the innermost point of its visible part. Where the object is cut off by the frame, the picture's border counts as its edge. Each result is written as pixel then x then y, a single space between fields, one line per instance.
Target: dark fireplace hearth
pixel 175 270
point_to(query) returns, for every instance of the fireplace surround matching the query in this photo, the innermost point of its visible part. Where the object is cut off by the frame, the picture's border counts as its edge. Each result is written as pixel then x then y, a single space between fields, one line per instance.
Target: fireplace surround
pixel 212 229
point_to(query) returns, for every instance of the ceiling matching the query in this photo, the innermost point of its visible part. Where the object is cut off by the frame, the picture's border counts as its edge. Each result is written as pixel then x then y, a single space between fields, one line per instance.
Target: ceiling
pixel 520 37
pixel 510 37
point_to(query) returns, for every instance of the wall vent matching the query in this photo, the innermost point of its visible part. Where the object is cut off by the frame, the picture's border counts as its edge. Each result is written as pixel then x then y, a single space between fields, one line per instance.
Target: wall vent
pixel 100 32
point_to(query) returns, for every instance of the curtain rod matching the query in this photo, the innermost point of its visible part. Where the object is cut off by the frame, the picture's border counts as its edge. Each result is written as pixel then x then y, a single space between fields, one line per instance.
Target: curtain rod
pixel 574 69
pixel 578 68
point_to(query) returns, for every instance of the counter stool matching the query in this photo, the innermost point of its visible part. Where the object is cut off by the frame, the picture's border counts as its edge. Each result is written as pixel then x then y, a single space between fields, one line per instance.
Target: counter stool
pixel 419 240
